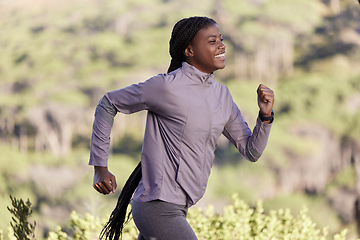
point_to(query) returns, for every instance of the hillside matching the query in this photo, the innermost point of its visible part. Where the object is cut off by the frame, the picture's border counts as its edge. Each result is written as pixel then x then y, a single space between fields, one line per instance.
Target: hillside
pixel 58 59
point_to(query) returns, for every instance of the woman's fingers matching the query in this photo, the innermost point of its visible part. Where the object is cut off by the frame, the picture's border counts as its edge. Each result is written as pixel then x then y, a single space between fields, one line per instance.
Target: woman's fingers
pixel 265 93
pixel 104 187
pixel 266 99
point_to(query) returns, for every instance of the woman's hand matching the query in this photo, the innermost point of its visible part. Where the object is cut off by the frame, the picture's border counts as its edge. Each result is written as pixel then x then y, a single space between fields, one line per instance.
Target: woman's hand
pixel 265 100
pixel 104 181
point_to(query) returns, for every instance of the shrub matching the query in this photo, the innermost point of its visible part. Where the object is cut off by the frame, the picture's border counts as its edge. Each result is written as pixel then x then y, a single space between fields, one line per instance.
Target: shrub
pixel 238 221
pixel 21 211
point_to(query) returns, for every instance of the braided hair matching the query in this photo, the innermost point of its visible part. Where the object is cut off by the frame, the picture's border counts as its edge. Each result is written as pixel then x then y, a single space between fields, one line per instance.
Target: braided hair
pixel 183 33
pixel 113 228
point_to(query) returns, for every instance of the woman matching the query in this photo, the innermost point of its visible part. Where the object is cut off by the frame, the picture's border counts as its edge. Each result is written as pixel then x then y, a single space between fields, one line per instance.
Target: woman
pixel 187 112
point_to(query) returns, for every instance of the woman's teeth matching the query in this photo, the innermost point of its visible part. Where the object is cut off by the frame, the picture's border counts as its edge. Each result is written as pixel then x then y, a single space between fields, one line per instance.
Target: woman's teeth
pixel 220 55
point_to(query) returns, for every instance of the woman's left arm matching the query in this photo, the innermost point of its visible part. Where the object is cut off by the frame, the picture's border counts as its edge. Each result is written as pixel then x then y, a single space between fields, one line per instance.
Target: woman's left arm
pixel 251 144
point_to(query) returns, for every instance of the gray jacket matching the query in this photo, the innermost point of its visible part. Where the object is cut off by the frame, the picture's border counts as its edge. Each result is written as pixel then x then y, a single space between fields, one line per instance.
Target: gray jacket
pixel 187 112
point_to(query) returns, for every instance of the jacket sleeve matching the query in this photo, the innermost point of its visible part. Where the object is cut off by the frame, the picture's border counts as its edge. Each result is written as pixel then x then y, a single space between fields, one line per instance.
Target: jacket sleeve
pixel 100 138
pixel 126 100
pixel 250 144
pixel 131 99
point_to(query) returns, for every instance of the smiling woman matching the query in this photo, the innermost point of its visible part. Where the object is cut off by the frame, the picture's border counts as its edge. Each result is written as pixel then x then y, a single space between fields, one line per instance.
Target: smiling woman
pixel 206 51
pixel 187 112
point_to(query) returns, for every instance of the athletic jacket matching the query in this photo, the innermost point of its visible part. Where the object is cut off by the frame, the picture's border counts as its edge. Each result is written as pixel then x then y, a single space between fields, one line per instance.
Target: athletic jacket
pixel 187 112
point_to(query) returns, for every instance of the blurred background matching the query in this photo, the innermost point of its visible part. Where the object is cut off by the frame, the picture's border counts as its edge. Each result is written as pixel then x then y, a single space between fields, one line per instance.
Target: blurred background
pixel 58 58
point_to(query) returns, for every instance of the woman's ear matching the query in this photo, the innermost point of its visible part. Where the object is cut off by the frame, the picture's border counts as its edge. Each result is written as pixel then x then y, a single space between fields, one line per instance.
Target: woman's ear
pixel 189 52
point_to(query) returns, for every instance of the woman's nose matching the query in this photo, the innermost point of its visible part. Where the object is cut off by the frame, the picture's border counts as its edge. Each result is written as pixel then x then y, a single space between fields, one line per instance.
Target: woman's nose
pixel 222 45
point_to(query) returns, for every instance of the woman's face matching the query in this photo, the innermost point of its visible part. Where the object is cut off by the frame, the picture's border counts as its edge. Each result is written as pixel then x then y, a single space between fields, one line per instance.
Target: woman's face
pixel 206 51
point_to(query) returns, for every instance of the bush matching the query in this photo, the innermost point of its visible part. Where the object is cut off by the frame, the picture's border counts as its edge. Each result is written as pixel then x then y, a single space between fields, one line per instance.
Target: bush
pixel 89 227
pixel 238 221
pixel 21 211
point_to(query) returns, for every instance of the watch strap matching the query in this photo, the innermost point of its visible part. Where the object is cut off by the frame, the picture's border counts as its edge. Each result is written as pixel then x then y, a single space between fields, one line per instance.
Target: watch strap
pixel 270 118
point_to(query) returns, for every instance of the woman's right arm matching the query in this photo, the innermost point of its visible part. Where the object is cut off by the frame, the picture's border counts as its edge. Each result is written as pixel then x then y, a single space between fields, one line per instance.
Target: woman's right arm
pixel 127 100
pixel 143 96
pixel 104 182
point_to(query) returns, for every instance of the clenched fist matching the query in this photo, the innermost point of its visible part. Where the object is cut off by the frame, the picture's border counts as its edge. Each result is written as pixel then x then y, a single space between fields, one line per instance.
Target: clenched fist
pixel 104 181
pixel 266 100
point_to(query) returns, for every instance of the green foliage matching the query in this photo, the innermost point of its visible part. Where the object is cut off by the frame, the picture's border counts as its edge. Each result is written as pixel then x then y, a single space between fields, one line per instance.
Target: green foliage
pixel 88 227
pixel 21 211
pixel 58 234
pixel 345 178
pixel 319 209
pixel 245 173
pixel 315 104
pixel 85 228
pixel 238 221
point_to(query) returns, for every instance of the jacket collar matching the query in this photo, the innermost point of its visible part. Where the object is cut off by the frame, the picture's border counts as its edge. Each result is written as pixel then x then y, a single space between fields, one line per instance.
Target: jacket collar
pixel 196 75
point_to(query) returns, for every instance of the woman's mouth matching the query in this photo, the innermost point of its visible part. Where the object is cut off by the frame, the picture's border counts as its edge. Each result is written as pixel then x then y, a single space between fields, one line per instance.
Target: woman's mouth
pixel 221 56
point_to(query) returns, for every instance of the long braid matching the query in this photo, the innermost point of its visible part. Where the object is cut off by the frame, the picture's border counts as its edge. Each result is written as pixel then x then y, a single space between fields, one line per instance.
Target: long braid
pixel 113 228
pixel 183 33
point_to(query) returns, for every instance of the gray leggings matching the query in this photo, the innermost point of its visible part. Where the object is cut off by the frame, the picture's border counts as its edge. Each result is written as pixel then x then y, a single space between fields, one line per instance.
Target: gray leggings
pixel 161 221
